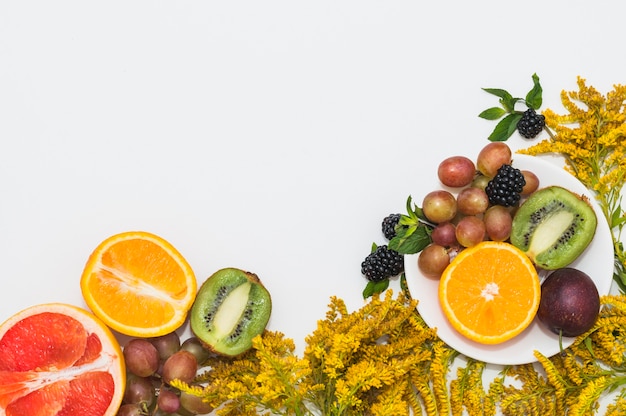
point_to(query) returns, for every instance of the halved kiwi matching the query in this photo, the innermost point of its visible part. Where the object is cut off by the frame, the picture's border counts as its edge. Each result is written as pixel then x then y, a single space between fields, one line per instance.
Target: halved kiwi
pixel 553 227
pixel 232 307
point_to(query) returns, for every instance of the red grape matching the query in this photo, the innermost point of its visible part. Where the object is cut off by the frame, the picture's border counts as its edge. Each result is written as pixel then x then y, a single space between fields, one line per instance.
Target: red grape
pixel 444 234
pixel 194 346
pixel 166 345
pixel 470 231
pixel 194 404
pixel 532 182
pixel 439 206
pixel 472 201
pixel 139 390
pixel 130 410
pixel 480 181
pixel 141 357
pixel 433 260
pixel 181 365
pixel 456 171
pixel 492 156
pixel 168 401
pixel 498 221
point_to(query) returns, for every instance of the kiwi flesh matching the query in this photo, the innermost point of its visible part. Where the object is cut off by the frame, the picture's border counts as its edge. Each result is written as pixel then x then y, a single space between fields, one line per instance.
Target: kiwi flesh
pixel 231 307
pixel 553 226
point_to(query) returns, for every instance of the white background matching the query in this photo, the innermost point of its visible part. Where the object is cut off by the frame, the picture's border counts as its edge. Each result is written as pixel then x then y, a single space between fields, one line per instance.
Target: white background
pixel 272 136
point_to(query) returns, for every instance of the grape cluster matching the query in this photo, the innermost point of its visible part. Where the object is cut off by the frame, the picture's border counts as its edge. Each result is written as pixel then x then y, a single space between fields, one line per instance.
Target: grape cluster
pixel 151 364
pixel 464 211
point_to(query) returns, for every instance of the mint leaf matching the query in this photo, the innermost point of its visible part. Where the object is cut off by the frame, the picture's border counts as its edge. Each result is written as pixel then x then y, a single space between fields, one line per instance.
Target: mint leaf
pixel 374 247
pixel 533 98
pixel 492 113
pixel 505 95
pixel 375 287
pixel 410 240
pixel 506 99
pixel 505 128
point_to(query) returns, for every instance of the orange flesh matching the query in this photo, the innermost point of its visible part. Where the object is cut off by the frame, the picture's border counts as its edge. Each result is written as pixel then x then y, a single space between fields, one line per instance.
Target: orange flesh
pixel 490 293
pixel 138 284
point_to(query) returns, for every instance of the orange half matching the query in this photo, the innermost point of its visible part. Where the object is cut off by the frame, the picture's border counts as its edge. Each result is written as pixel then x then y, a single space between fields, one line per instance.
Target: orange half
pixel 490 292
pixel 58 359
pixel 138 284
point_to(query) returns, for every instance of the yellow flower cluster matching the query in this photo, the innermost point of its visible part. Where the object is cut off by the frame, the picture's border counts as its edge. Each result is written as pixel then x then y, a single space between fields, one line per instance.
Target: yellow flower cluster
pixel 592 139
pixel 384 360
pixel 380 360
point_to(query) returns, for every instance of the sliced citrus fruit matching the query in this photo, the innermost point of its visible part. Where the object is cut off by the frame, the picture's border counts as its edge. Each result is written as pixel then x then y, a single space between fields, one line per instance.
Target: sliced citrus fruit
pixel 490 292
pixel 138 284
pixel 58 359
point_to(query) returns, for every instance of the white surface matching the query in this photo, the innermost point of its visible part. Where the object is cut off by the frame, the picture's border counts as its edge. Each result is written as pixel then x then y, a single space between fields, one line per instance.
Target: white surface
pixel 272 136
pixel 596 261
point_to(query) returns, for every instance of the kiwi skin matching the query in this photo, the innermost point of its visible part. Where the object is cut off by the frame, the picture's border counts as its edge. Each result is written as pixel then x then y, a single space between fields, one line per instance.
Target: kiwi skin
pixel 231 307
pixel 553 226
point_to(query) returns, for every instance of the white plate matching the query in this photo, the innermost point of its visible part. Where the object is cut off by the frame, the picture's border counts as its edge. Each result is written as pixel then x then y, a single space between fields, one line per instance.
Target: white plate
pixel 596 261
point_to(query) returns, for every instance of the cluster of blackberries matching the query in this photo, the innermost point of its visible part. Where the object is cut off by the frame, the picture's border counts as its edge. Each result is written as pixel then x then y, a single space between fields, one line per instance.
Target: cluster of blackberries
pixel 531 124
pixel 384 262
pixel 389 225
pixel 505 188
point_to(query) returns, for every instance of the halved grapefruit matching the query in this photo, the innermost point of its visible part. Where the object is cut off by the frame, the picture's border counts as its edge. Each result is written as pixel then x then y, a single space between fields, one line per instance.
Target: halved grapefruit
pixel 59 360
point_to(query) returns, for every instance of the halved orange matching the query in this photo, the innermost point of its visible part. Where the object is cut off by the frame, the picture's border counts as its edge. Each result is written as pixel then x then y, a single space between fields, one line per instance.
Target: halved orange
pixel 490 292
pixel 138 284
pixel 58 359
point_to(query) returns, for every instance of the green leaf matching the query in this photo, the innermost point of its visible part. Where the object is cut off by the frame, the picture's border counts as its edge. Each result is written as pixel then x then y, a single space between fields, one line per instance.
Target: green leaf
pixel 492 113
pixel 375 287
pixel 411 241
pixel 505 128
pixel 503 94
pixel 619 275
pixel 506 99
pixel 533 98
pixel 589 345
pixel 617 219
pixel 515 118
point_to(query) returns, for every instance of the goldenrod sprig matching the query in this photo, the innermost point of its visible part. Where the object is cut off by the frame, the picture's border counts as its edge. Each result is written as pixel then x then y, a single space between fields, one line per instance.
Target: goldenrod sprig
pixel 592 139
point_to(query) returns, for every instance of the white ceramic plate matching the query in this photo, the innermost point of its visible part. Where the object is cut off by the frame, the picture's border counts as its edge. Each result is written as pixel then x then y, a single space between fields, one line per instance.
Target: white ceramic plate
pixel 596 261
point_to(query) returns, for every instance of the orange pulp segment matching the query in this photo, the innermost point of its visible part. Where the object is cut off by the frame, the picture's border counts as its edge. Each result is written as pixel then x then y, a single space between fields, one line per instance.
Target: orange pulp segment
pixel 490 292
pixel 58 359
pixel 138 284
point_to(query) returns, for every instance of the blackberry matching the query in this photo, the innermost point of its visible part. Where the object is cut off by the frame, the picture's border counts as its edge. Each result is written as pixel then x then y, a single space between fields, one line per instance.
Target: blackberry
pixel 389 225
pixel 382 264
pixel 505 188
pixel 531 124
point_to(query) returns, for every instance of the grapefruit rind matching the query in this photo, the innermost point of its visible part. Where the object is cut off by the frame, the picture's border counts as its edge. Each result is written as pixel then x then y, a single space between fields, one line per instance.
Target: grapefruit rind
pixel 51 388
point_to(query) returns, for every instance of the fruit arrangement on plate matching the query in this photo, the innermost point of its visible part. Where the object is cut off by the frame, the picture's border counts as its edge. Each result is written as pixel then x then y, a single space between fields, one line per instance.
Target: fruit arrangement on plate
pixel 482 243
pixel 490 291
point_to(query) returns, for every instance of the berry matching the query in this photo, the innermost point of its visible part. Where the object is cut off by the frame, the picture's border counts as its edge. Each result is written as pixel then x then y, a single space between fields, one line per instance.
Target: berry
pixel 505 188
pixel 382 264
pixel 389 225
pixel 531 124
